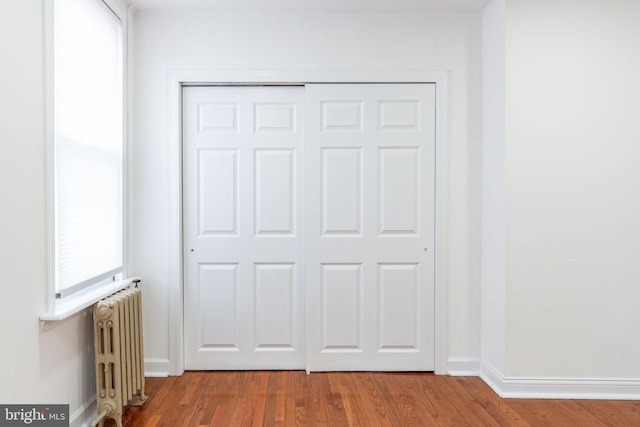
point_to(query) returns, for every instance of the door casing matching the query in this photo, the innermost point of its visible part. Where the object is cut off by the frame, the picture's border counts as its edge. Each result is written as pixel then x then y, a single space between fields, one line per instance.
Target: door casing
pixel 179 78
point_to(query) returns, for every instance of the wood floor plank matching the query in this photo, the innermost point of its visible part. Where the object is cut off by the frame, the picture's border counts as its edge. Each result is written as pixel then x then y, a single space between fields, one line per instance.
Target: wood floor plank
pixel 153 421
pixel 281 399
pixel 544 412
pixel 442 410
pixel 337 404
pixel 244 410
pixel 270 393
pixel 465 404
pixel 190 390
pixel 232 394
pixel 305 415
pixel 326 400
pixel 209 399
pixel 417 407
pixel 292 398
pixel 374 404
pixel 191 400
pixel 218 415
pixel 351 395
pixel 392 408
pixel 261 399
pixel 581 415
pixel 290 404
pixel 613 412
pixel 498 408
pixel 156 396
pixel 318 399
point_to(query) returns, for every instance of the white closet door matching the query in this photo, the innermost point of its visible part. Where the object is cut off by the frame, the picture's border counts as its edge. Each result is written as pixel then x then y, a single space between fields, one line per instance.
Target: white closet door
pixel 243 227
pixel 369 226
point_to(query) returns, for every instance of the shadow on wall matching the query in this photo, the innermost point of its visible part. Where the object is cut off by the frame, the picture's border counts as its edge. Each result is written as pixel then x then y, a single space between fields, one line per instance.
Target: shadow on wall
pixel 67 362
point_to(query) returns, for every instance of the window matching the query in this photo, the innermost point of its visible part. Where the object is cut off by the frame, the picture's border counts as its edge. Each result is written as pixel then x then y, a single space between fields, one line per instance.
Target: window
pixel 88 111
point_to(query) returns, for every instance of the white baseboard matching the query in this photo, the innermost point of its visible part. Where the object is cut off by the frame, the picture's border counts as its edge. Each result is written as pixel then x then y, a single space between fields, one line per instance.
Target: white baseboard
pixel 84 415
pixel 156 367
pixel 492 377
pixel 560 388
pixel 463 366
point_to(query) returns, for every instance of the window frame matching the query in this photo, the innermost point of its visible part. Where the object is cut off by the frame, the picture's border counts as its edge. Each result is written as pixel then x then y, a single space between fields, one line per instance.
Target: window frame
pixel 83 296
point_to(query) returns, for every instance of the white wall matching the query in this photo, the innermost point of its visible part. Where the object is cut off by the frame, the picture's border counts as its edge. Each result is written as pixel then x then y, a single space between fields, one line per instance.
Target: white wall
pixel 561 198
pixel 573 189
pixel 53 366
pixel 164 42
pixel 493 277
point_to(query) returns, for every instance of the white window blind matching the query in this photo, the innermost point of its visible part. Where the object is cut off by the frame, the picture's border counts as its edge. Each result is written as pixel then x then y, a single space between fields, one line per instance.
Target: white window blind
pixel 88 123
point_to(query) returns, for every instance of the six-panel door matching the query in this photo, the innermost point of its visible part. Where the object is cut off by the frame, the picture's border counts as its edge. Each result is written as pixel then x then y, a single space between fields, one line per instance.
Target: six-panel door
pixel 369 226
pixel 242 174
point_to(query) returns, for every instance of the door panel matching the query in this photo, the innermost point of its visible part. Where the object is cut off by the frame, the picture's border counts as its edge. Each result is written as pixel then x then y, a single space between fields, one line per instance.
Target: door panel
pixel 275 192
pixel 399 190
pixel 341 172
pixel 218 305
pixel 341 307
pixel 218 191
pixel 398 320
pixel 243 249
pixel 275 318
pixel 369 226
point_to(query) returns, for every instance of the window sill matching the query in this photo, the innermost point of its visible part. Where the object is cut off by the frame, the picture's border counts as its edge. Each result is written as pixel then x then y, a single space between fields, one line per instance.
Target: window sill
pixel 73 304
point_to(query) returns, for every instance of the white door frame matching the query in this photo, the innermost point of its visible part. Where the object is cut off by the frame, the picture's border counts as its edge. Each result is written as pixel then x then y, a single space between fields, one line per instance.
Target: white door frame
pixel 179 78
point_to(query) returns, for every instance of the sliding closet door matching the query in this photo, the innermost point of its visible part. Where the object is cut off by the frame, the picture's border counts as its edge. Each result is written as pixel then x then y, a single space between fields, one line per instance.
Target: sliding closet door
pixel 323 194
pixel 242 177
pixel 369 226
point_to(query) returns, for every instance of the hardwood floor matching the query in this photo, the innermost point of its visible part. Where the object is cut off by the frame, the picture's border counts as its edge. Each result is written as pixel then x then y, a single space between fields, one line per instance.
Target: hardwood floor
pixel 287 398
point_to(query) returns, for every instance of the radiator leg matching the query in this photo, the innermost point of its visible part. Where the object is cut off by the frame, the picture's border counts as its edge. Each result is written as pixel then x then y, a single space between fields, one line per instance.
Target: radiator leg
pixel 100 420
